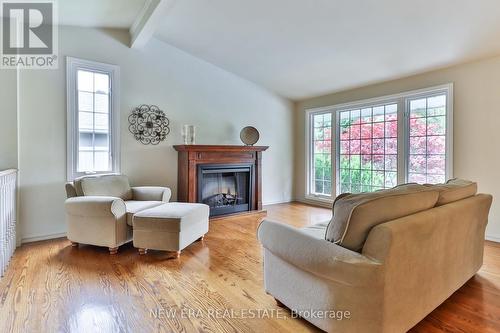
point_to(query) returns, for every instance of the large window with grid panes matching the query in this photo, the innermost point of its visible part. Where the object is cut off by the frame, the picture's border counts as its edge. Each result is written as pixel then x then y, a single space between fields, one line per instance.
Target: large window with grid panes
pixel 379 143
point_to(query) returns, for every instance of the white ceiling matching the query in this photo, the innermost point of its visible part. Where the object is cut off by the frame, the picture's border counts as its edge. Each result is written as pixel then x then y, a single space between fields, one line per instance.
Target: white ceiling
pixel 303 48
pixel 99 13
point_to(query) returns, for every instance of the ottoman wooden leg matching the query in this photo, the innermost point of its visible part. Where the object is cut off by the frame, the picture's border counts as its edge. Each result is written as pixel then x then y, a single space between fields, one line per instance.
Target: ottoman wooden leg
pixel 74 244
pixel 113 250
pixel 177 254
pixel 143 251
pixel 201 238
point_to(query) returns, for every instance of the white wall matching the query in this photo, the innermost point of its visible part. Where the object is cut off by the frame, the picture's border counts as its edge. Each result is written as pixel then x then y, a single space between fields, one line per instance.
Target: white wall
pixel 189 90
pixel 8 118
pixel 476 113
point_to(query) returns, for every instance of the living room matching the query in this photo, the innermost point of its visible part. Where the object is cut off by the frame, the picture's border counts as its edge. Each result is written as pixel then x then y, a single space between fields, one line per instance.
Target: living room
pixel 257 166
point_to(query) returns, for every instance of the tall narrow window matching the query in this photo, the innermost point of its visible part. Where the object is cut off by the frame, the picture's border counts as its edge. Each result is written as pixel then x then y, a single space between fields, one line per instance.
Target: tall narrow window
pixel 380 143
pixel 322 155
pixel 93 128
pixel 427 139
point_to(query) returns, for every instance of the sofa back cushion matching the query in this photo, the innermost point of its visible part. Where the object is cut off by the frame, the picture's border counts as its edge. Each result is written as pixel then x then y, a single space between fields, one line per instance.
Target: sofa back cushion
pixel 354 215
pixel 104 185
pixel 70 190
pixel 455 189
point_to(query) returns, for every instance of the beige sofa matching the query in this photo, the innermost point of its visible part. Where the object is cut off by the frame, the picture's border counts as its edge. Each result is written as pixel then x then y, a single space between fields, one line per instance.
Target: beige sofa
pixel 100 209
pixel 389 260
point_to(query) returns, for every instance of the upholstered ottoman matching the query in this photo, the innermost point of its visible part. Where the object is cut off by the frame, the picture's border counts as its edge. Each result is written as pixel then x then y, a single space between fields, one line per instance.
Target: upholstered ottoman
pixel 170 226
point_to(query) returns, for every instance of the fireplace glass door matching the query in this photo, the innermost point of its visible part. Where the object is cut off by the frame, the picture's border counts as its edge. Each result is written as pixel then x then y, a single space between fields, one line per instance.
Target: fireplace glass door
pixel 225 189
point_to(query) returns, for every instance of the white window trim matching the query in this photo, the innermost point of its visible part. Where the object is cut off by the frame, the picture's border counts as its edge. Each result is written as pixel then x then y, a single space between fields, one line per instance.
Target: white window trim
pixel 402 100
pixel 72 65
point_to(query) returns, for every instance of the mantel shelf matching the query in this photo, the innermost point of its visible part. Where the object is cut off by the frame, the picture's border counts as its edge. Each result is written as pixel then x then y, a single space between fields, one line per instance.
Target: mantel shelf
pixel 219 148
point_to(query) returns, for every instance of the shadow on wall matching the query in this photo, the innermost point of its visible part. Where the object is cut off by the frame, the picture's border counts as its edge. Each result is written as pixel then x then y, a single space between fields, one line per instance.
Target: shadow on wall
pixel 48 219
pixel 116 34
pixel 148 165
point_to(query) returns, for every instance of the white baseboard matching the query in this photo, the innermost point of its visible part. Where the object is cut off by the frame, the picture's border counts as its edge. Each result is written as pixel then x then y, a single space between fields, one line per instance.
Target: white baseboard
pixel 493 238
pixel 267 203
pixel 315 203
pixel 31 239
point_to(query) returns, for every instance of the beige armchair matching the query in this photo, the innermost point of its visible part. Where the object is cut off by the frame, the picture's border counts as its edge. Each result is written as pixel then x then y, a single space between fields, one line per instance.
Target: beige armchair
pixel 100 209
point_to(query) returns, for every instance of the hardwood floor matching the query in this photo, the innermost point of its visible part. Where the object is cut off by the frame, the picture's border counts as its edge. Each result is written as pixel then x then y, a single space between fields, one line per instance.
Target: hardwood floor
pixel 53 287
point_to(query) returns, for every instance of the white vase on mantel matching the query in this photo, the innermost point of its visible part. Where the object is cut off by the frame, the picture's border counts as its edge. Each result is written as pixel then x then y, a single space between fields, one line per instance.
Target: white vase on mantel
pixel 189 134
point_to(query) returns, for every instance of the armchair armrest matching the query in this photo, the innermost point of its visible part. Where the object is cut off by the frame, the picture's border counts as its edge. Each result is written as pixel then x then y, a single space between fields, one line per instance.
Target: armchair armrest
pixel 317 256
pixel 95 206
pixel 151 193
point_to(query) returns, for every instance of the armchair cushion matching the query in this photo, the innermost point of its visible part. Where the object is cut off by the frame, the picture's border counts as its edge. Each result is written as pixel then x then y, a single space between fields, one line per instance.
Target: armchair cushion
pixel 134 206
pixel 95 206
pixel 104 185
pixel 151 193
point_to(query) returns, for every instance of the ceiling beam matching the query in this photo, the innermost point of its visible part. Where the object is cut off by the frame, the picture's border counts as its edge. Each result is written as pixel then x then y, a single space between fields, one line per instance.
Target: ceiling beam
pixel 148 21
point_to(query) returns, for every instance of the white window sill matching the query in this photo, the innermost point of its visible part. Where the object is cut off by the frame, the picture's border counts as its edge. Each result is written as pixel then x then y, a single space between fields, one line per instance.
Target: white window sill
pixel 318 198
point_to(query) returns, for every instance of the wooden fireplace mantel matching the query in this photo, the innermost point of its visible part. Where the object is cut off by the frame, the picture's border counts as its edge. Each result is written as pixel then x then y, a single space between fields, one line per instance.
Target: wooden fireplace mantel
pixel 190 156
pixel 219 148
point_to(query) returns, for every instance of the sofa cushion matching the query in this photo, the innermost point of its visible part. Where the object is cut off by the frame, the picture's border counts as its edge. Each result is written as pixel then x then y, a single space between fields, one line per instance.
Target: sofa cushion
pixel 70 190
pixel 77 184
pixel 355 215
pixel 104 185
pixel 133 207
pixel 316 230
pixel 455 189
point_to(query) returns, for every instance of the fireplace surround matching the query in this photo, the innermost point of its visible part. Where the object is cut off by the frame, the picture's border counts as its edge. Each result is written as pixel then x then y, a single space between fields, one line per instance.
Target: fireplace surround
pixel 225 177
pixel 225 188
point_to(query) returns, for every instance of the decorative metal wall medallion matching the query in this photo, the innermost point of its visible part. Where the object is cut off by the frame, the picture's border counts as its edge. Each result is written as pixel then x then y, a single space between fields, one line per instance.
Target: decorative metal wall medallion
pixel 148 124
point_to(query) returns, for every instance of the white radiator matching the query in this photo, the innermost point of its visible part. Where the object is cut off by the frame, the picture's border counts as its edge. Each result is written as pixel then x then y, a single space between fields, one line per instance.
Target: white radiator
pixel 8 184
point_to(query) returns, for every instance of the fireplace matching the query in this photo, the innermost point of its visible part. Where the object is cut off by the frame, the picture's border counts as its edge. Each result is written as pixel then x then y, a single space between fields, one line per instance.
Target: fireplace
pixel 226 189
pixel 227 178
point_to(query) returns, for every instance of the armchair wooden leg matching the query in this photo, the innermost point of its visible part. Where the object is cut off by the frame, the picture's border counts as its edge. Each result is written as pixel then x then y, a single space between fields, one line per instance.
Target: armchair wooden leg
pixel 74 244
pixel 143 251
pixel 201 238
pixel 113 250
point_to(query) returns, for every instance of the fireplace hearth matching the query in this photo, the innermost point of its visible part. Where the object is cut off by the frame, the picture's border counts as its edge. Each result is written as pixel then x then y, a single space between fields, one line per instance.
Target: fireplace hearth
pixel 226 178
pixel 226 189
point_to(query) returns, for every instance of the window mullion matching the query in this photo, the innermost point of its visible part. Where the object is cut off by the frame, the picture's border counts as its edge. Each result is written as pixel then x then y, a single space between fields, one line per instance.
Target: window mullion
pixel 403 126
pixel 311 154
pixel 334 155
pixel 75 113
pixel 110 126
pixel 93 123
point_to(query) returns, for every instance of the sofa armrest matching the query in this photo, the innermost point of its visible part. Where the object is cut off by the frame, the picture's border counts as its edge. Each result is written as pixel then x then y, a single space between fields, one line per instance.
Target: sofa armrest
pixel 95 206
pixel 318 256
pixel 151 193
